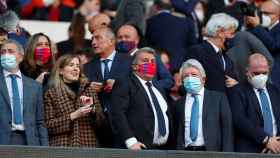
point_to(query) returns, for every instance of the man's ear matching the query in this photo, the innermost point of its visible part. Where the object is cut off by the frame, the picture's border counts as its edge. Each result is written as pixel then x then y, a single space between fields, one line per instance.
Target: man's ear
pixel 134 67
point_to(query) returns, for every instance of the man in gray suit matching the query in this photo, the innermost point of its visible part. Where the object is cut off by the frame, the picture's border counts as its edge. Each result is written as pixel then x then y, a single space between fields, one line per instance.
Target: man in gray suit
pixel 243 45
pixel 203 117
pixel 21 107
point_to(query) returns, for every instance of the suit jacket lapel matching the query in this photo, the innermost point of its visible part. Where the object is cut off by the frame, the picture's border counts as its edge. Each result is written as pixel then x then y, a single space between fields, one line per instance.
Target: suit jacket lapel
pixel 98 70
pixel 255 100
pixel 274 105
pixel 213 57
pixel 206 103
pixel 26 93
pixel 114 67
pixel 4 89
pixel 142 90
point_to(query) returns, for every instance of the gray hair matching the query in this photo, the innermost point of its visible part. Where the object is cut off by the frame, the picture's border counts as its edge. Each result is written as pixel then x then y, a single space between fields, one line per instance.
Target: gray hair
pixel 192 63
pixel 18 45
pixel 9 21
pixel 142 50
pixel 220 21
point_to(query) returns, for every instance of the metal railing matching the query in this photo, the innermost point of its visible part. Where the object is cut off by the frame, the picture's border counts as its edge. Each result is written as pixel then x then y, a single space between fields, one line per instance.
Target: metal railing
pixel 62 152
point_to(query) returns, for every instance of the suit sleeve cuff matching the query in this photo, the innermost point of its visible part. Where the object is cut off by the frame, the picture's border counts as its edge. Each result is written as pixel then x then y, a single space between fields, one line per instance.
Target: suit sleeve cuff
pixel 130 141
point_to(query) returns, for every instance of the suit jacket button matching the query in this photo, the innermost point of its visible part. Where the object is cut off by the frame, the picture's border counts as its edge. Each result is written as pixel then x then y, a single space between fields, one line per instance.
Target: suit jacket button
pixel 10 122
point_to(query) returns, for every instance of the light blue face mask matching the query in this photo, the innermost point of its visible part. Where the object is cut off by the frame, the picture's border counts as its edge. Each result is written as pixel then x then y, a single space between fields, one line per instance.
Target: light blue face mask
pixel 8 61
pixel 192 84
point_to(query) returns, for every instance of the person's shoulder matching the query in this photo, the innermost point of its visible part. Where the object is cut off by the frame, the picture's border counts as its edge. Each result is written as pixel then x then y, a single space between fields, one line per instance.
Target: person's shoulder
pixel 91 62
pixel 30 80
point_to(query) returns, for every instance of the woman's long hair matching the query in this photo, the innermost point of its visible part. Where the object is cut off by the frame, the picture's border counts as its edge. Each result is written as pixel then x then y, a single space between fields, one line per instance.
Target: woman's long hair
pixel 56 79
pixel 28 61
pixel 77 31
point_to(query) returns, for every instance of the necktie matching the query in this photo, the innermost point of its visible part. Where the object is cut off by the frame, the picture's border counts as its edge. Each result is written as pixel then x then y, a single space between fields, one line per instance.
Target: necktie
pixel 106 69
pixel 161 122
pixel 194 118
pixel 266 113
pixel 16 101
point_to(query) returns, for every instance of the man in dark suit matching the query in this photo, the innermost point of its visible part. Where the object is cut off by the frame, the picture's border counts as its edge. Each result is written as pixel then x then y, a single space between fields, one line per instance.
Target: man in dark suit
pixel 128 41
pixel 105 70
pixel 218 66
pixel 140 112
pixel 21 107
pixel 269 33
pixel 203 117
pixel 174 34
pixel 255 109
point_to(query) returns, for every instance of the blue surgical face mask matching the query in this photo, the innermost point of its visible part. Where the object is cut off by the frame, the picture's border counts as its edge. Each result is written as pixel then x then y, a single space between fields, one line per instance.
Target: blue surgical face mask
pixel 8 61
pixel 192 84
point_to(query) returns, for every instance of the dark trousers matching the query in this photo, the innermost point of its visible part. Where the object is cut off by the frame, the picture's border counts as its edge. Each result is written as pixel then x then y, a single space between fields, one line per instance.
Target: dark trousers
pixel 18 138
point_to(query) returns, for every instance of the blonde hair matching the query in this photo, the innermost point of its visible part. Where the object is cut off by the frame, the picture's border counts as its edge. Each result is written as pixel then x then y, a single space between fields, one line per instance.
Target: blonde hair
pixel 56 80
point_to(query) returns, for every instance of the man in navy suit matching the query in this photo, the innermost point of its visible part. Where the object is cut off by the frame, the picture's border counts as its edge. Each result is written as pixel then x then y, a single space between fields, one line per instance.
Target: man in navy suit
pixel 141 115
pixel 218 66
pixel 269 33
pixel 255 109
pixel 21 107
pixel 105 71
pixel 203 117
pixel 128 41
pixel 174 34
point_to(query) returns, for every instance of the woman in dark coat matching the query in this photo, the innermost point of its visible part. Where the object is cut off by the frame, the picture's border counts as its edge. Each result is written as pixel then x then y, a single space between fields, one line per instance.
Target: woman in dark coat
pixel 72 110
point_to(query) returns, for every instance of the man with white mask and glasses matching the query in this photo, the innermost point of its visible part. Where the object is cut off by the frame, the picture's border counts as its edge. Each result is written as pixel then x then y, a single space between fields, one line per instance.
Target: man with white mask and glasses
pixel 268 31
pixel 255 109
pixel 203 116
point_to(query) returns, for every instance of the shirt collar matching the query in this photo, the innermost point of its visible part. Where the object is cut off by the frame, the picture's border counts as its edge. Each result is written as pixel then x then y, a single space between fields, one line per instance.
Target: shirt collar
pixel 217 49
pixel 245 1
pixel 133 52
pixel 110 57
pixel 200 93
pixel 273 25
pixel 7 73
pixel 257 90
pixel 143 82
pixel 164 11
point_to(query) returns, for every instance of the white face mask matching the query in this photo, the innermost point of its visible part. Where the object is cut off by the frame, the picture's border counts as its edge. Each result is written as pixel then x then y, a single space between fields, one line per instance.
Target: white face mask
pixel 259 81
pixel 199 15
pixel 266 21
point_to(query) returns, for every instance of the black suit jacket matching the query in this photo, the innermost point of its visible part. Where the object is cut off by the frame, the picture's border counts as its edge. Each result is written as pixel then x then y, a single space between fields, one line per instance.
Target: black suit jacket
pixel 216 122
pixel 175 34
pixel 247 117
pixel 120 69
pixel 132 112
pixel 215 74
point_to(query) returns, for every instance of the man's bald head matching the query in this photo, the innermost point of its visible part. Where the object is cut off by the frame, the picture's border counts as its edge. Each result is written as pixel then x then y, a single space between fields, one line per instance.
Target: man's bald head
pixel 257 64
pixel 128 33
pixel 98 21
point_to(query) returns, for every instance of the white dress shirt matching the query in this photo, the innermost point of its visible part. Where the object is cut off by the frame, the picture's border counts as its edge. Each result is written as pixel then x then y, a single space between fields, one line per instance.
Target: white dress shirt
pixel 10 91
pixel 188 108
pixel 111 58
pixel 270 106
pixel 158 139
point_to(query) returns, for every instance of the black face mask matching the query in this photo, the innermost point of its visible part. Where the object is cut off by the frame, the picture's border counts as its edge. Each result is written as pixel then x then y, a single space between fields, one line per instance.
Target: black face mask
pixel 229 43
